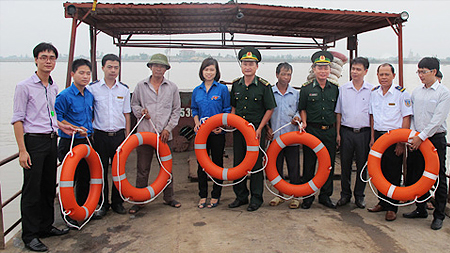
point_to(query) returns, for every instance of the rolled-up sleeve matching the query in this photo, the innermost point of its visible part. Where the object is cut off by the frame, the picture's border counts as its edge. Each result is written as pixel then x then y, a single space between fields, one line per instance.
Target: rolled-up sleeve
pixel 20 104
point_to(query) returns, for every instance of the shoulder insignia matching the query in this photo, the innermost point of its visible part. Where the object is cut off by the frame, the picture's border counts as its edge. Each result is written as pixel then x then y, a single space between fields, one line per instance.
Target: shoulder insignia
pixel 401 89
pixel 308 82
pixel 376 88
pixel 263 81
pixel 124 85
pixel 333 82
pixel 96 81
pixel 236 79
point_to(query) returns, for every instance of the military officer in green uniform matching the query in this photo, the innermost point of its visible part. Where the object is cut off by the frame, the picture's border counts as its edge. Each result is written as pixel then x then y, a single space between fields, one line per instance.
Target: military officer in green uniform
pixel 252 99
pixel 317 103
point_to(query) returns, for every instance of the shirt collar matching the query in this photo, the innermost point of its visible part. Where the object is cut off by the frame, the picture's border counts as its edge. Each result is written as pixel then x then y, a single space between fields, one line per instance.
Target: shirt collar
pixel 255 82
pixel 288 90
pixel 202 86
pixel 36 79
pixel 75 90
pixel 316 83
pixel 434 86
pixel 103 82
pixel 364 86
pixel 148 80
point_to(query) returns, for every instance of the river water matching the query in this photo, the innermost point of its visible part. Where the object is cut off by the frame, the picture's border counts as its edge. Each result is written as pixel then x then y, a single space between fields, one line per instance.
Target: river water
pixel 184 74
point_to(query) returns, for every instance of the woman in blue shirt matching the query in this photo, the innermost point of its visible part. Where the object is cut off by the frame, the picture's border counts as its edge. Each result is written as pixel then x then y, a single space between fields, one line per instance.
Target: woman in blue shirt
pixel 208 99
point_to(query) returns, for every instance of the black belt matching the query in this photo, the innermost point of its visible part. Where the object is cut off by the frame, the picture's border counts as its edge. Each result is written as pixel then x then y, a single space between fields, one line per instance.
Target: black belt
pixel 51 135
pixel 109 134
pixel 357 130
pixel 320 126
pixel 380 132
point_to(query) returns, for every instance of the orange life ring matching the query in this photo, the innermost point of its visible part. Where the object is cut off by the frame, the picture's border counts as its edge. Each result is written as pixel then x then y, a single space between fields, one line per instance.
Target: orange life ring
pixel 66 182
pixel 250 138
pixel 418 189
pixel 323 170
pixel 129 191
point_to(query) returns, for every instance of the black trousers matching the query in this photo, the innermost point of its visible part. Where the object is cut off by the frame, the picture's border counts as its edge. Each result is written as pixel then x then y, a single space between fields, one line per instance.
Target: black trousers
pixel 257 179
pixel 292 156
pixel 82 175
pixel 391 167
pixel 353 144
pixel 38 190
pixel 106 148
pixel 416 165
pixel 328 138
pixel 214 146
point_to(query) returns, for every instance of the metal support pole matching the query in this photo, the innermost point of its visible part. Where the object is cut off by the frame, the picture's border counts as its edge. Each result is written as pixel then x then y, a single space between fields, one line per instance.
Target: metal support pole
pixel 400 54
pixel 71 51
pixel 93 37
pixel 120 57
pixel 2 233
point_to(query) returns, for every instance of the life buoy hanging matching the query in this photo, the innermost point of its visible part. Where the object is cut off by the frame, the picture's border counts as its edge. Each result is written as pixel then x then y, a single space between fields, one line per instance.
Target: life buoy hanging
pixel 66 183
pixel 141 194
pixel 316 182
pixel 406 193
pixel 247 131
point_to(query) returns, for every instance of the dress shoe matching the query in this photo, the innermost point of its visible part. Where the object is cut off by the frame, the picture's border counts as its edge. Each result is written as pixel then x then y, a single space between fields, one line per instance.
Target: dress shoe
pixel 359 202
pixel 390 216
pixel 118 208
pixel 436 224
pixel 100 213
pixel 55 232
pixel 343 201
pixel 306 204
pixel 36 245
pixel 72 223
pixel 237 203
pixel 376 209
pixel 252 207
pixel 415 214
pixel 327 202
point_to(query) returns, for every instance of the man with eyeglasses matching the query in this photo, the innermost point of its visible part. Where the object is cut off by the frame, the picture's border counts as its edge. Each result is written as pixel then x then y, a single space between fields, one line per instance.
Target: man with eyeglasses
pixel 111 124
pixel 35 127
pixel 431 105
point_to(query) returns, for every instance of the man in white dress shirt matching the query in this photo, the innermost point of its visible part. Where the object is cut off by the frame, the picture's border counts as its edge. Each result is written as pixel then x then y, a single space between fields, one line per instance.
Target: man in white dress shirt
pixel 431 105
pixel 390 108
pixel 111 124
pixel 353 130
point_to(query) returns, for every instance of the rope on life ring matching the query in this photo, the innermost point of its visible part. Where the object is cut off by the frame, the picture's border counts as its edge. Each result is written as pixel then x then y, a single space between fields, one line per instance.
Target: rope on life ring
pixel 401 193
pixel 247 131
pixel 324 164
pixel 141 195
pixel 66 191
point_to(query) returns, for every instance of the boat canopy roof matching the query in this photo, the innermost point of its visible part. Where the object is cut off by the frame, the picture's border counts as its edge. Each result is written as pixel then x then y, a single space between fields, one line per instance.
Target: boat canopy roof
pixel 132 24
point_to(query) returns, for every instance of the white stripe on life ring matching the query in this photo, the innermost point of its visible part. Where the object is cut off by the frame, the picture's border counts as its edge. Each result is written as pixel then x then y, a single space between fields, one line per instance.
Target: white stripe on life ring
pixel 430 175
pixel 318 148
pixel 96 181
pixel 225 174
pixel 276 180
pixel 375 153
pixel 391 191
pixel 280 143
pixel 313 186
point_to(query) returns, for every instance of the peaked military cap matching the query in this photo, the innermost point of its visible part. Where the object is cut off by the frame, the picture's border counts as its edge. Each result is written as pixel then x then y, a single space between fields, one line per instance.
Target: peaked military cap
pixel 322 58
pixel 249 54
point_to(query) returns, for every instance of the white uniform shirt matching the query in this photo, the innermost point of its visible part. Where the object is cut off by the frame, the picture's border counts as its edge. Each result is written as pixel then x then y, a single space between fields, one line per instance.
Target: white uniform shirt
pixel 110 105
pixel 431 107
pixel 389 110
pixel 353 105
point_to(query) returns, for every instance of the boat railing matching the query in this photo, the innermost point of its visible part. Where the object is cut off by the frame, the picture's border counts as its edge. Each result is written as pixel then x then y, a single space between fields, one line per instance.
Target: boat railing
pixel 4 233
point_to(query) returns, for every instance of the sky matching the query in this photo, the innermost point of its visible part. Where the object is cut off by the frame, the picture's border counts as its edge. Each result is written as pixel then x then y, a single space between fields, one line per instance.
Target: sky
pixel 24 24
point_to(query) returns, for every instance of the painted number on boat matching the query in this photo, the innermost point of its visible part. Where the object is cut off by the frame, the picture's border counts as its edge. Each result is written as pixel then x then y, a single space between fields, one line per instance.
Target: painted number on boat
pixel 185 112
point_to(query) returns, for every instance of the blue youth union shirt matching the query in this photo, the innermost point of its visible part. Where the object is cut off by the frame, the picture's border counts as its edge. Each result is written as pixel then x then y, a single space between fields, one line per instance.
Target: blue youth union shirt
pixel 72 106
pixel 207 104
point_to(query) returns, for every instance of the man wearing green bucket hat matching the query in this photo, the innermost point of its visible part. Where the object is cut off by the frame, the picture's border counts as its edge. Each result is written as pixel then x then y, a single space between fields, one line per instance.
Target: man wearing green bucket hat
pixel 159 100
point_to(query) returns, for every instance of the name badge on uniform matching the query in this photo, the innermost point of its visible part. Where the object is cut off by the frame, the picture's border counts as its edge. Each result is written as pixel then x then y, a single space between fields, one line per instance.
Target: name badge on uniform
pixel 391 104
pixel 118 97
pixel 215 97
pixel 408 102
pixel 313 94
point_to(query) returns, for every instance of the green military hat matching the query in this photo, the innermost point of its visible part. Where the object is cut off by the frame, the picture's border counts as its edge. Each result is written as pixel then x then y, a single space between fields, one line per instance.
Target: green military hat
pixel 159 59
pixel 322 58
pixel 249 54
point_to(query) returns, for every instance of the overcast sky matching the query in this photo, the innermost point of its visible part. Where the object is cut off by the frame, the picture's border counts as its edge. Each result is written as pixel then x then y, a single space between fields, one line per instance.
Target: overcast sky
pixel 23 24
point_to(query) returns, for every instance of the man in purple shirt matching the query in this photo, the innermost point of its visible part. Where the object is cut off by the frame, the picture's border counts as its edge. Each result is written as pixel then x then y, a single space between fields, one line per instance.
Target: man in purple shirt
pixel 35 126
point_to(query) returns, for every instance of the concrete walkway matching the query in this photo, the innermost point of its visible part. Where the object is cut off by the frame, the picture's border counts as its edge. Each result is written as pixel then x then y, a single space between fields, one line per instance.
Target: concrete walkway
pixel 160 228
